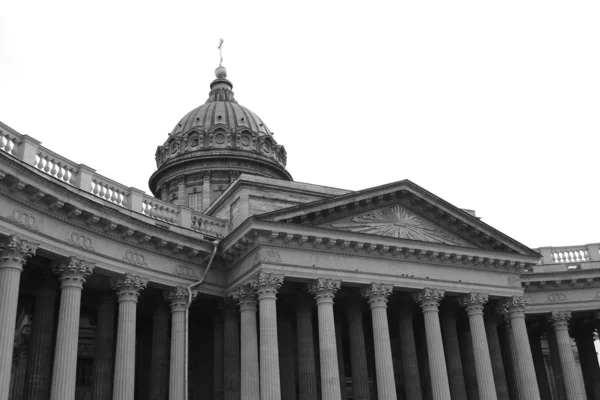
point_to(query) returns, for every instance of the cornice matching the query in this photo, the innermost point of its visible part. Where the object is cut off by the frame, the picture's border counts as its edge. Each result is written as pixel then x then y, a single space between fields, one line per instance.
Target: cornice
pixel 254 231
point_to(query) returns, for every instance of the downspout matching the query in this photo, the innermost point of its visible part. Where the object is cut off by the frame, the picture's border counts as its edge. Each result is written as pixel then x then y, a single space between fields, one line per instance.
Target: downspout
pixel 187 317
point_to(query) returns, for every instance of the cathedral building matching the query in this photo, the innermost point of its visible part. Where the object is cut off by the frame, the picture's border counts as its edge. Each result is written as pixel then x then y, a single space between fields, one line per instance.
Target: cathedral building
pixel 231 281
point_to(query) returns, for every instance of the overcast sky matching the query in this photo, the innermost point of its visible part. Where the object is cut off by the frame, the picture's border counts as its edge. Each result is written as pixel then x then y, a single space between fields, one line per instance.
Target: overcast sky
pixel 492 106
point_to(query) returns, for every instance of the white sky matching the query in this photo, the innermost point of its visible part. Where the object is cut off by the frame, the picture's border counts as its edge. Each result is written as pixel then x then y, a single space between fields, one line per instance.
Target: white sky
pixel 492 106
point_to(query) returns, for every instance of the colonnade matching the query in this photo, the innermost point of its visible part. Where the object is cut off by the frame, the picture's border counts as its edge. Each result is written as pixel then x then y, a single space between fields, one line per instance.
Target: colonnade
pixel 261 367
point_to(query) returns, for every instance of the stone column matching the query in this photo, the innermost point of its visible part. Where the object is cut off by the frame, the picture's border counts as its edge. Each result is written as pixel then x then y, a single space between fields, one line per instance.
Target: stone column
pixel 19 373
pixel 128 290
pixel 514 308
pixel 181 197
pixel 218 352
pixel 250 377
pixel 559 382
pixel 231 354
pixel 287 360
pixel 72 276
pixel 159 361
pixel 178 298
pixel 307 372
pixel 473 303
pixel 377 295
pixel 560 321
pixel 104 355
pixel 340 353
pixel 515 377
pixel 13 253
pixel 454 364
pixel 164 192
pixel 324 291
pixel 39 361
pixel 266 286
pixel 358 354
pixel 491 330
pixel 429 300
pixel 205 189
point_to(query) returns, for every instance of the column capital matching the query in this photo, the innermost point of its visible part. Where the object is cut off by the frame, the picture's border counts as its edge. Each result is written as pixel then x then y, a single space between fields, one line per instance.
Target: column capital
pixel 377 294
pixel 429 298
pixel 514 306
pixel 228 308
pixel 179 298
pixel 560 319
pixel 473 302
pixel 73 272
pixel 245 296
pixel 266 285
pixel 324 289
pixel 15 251
pixel 128 287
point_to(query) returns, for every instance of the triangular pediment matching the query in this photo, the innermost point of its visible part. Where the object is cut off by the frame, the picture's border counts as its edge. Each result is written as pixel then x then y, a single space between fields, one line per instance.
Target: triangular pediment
pixel 398 222
pixel 401 210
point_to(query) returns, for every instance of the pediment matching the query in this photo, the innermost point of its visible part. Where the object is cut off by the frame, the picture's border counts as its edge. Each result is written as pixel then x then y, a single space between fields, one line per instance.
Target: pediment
pixel 398 222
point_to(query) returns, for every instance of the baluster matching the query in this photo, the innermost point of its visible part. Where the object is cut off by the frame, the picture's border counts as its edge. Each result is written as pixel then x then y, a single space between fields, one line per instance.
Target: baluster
pixel 586 255
pixel 47 166
pixel 113 197
pixel 38 161
pixel 54 169
pixel 69 176
pixel 60 171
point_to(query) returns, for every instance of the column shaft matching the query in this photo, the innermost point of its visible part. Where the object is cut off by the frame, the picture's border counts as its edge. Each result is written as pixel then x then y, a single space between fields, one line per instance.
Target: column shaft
pixel 377 296
pixel 14 252
pixel 491 330
pixel 556 368
pixel 515 309
pixel 539 363
pixel 589 360
pixel 454 364
pixel 72 276
pixel 468 360
pixel 408 351
pixel 307 372
pixel 102 373
pixel 179 300
pixel 39 362
pixel 358 354
pixel 159 361
pixel 128 289
pixel 429 300
pixel 19 373
pixel 340 353
pixel 573 388
pixel 324 290
pixel 250 377
pixel 266 286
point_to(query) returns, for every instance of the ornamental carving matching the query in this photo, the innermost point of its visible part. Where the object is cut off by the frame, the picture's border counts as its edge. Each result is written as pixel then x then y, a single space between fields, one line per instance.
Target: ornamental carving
pixel 129 287
pixel 15 251
pixel 557 297
pixel 135 258
pixel 473 302
pixel 560 319
pixel 25 218
pixel 80 240
pixel 514 280
pixel 429 299
pixel 73 272
pixel 266 284
pixel 324 290
pixel 185 271
pixel 514 306
pixel 179 297
pixel 396 222
pixel 245 296
pixel 267 256
pixel 377 294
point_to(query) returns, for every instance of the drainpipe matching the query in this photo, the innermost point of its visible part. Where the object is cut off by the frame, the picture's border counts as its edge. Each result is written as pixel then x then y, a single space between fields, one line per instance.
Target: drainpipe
pixel 187 317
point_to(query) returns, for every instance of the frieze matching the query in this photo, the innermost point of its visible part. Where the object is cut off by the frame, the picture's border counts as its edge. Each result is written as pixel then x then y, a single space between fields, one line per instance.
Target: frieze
pixel 514 281
pixel 135 258
pixel 80 240
pixel 25 218
pixel 267 256
pixel 185 271
pixel 557 297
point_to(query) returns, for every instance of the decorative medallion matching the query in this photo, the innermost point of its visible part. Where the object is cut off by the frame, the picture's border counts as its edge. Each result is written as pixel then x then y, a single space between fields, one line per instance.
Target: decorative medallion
pixel 396 222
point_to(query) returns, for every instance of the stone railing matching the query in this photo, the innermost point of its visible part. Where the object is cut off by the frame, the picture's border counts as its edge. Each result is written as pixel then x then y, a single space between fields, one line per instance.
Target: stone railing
pixel 80 176
pixel 570 254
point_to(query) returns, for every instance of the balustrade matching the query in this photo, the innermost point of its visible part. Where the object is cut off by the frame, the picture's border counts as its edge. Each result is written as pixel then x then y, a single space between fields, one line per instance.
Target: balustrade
pixel 80 176
pixel 569 254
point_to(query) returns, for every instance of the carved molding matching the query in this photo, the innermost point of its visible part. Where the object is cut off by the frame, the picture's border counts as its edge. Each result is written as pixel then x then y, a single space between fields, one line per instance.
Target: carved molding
pixel 25 218
pixel 80 240
pixel 135 258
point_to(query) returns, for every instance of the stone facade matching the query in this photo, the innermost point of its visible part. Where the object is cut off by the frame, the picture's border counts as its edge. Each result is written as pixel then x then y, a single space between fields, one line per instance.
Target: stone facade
pixel 267 288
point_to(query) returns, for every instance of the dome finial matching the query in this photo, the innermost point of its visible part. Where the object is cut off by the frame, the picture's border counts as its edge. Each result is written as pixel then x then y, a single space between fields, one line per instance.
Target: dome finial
pixel 221 72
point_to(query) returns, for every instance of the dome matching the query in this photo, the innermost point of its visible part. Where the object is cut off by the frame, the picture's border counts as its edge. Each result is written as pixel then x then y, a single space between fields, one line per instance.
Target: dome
pixel 220 138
